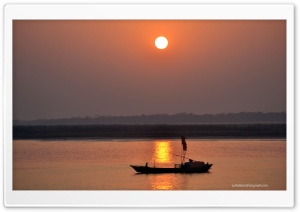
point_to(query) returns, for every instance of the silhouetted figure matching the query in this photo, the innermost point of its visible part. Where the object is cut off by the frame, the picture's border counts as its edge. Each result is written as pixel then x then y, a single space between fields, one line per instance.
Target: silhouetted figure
pixel 146 165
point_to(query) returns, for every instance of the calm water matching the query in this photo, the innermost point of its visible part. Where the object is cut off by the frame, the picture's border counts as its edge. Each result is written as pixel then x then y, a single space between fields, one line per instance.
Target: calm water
pixel 104 165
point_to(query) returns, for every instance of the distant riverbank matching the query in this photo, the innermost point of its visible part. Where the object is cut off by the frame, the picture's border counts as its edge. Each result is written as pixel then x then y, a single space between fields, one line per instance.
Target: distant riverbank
pixel 268 130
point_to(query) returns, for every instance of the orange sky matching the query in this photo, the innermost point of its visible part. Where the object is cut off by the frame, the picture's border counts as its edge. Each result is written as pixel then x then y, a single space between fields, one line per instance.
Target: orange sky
pixel 88 68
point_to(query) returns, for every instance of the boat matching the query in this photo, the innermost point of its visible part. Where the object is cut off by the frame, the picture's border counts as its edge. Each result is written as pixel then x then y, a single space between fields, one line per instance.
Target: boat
pixel 192 166
pixel 188 167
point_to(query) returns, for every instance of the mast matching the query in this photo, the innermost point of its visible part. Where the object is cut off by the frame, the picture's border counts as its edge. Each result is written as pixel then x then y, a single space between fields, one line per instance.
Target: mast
pixel 184 148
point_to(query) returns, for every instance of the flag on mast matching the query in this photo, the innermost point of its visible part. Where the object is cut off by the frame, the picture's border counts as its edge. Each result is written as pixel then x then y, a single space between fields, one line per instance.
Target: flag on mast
pixel 184 145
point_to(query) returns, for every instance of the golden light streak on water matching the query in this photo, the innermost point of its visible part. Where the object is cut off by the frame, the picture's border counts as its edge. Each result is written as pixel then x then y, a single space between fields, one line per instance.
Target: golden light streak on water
pixel 162 152
pixel 162 182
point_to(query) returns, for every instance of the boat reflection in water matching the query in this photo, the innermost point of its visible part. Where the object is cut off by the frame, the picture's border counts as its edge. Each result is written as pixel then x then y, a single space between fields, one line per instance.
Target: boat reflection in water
pixel 162 155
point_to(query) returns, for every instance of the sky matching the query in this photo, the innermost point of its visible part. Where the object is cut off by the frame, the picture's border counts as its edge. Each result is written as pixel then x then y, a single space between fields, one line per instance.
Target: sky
pixel 65 69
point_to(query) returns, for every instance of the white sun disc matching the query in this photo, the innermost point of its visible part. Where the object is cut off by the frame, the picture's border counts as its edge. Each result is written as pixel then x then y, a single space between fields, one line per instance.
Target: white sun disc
pixel 161 42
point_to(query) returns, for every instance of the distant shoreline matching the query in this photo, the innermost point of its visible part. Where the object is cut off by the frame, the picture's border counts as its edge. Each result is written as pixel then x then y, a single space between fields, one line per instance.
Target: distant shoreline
pixel 203 131
pixel 94 139
pixel 160 119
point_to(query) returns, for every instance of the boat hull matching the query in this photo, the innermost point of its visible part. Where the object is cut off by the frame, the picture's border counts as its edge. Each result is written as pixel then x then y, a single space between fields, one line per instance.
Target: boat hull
pixel 153 170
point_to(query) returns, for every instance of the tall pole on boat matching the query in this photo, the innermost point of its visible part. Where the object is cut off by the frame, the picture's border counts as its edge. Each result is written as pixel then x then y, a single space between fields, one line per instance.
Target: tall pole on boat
pixel 184 148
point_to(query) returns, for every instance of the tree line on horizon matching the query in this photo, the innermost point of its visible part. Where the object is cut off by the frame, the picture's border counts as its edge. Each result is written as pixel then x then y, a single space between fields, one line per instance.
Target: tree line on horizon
pixel 179 118
pixel 261 130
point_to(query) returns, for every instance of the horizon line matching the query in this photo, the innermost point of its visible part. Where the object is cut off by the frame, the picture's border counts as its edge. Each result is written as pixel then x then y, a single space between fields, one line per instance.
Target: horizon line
pixel 154 114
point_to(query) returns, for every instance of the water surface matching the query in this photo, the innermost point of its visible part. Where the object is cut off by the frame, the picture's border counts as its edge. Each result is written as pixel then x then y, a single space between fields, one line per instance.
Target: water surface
pixel 104 165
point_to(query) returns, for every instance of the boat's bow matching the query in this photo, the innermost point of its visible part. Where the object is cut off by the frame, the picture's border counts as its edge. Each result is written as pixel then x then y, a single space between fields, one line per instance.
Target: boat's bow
pixel 139 168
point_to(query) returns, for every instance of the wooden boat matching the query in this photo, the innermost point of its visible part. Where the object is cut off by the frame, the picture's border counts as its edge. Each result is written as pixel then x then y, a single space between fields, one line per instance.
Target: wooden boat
pixel 189 167
pixel 184 167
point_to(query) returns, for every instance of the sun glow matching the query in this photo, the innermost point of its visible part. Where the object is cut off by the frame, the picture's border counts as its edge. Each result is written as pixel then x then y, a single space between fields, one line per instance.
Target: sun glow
pixel 162 152
pixel 161 42
pixel 163 182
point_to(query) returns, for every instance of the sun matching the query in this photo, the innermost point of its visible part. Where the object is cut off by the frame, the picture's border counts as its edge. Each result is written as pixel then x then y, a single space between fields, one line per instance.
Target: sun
pixel 161 42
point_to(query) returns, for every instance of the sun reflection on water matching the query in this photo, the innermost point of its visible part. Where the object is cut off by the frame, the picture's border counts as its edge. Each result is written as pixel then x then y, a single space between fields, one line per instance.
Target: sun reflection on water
pixel 162 182
pixel 162 152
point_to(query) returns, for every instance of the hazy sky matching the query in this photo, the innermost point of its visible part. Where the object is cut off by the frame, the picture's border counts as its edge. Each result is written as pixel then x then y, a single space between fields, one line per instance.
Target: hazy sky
pixel 87 68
